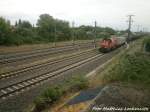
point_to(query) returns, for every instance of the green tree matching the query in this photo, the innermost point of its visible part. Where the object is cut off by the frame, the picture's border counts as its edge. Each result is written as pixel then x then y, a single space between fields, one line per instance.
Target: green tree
pixel 84 32
pixel 46 25
pixel 109 30
pixel 4 30
pixel 24 33
pixel 24 28
pixel 25 24
pixel 63 30
pixel 53 29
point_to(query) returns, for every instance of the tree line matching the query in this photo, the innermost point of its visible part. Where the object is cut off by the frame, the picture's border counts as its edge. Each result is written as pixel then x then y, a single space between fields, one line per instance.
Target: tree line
pixel 47 29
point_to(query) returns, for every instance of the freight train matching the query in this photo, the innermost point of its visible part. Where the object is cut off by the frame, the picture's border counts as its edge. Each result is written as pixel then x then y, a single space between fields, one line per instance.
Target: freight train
pixel 109 44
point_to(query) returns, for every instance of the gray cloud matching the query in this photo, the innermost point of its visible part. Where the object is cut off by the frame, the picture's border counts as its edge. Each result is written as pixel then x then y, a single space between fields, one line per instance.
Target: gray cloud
pixel 105 12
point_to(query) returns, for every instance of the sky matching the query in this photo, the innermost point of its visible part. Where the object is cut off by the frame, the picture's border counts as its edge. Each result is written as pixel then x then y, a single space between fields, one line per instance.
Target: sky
pixel 112 13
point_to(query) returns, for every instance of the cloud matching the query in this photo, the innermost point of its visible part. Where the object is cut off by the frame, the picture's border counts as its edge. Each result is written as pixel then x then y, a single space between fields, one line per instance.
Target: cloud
pixel 106 12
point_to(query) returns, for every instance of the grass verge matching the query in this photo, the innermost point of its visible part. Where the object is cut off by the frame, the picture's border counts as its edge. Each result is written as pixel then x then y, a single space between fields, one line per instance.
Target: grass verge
pixel 54 93
pixel 147 44
pixel 130 66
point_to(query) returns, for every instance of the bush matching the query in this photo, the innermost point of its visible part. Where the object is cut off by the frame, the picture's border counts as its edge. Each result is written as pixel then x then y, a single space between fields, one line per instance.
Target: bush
pixel 147 44
pixel 13 40
pixel 49 96
pixel 136 67
pixel 40 104
pixel 52 94
pixel 79 82
pixel 133 68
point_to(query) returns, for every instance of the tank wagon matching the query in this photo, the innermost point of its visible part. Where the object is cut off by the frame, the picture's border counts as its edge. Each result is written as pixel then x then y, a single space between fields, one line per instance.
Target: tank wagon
pixel 109 44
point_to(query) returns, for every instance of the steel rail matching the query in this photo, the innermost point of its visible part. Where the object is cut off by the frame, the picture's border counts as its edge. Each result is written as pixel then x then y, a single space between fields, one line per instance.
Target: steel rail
pixel 50 62
pixel 15 59
pixel 20 86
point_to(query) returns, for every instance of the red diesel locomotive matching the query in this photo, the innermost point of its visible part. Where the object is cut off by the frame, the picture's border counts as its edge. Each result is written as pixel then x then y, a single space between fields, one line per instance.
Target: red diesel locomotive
pixel 108 44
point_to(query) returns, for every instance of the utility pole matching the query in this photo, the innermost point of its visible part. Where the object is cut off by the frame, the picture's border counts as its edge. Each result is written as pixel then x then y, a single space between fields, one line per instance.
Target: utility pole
pixel 73 32
pixel 138 28
pixel 144 29
pixel 129 26
pixel 55 35
pixel 95 35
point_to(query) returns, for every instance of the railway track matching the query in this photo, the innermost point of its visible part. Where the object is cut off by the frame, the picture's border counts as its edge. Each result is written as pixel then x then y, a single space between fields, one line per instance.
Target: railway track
pixel 41 65
pixel 28 83
pixel 19 53
pixel 13 54
pixel 35 71
pixel 47 52
pixel 37 51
